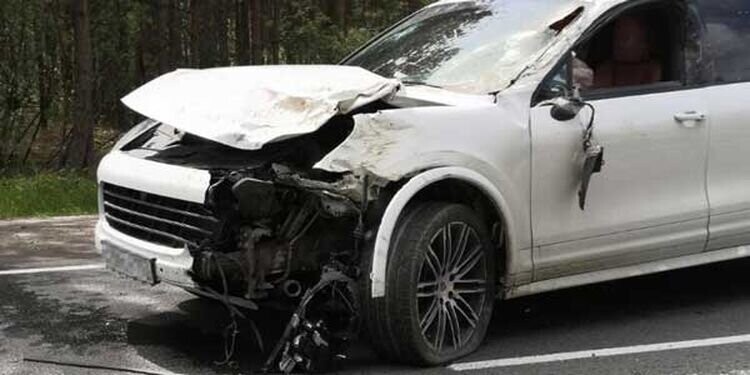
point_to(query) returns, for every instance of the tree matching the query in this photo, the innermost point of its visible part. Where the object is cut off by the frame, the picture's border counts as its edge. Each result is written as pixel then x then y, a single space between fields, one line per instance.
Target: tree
pixel 65 64
pixel 243 31
pixel 256 31
pixel 79 152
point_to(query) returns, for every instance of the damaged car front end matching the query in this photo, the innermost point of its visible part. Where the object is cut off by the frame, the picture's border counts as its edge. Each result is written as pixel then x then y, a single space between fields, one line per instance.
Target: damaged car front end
pixel 250 224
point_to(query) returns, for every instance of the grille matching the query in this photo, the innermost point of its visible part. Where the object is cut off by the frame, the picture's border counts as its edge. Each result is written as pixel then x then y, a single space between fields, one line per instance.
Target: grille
pixel 157 219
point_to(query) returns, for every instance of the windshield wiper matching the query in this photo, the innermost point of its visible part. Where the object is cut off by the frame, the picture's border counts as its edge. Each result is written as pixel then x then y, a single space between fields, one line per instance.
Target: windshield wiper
pixel 417 83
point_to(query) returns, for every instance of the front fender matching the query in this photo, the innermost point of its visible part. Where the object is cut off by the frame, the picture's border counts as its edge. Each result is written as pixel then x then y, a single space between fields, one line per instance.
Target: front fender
pixel 515 258
pixel 486 144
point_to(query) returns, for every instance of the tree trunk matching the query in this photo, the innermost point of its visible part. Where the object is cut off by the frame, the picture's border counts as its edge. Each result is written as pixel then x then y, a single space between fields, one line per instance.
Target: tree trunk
pixel 256 33
pixel 195 33
pixel 342 14
pixel 163 52
pixel 43 78
pixel 79 152
pixel 275 33
pixel 242 32
pixel 140 56
pixel 175 37
pixel 220 31
pixel 43 66
pixel 123 75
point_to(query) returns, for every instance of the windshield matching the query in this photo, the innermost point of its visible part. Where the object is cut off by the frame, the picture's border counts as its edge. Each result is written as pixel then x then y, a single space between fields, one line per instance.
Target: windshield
pixel 474 47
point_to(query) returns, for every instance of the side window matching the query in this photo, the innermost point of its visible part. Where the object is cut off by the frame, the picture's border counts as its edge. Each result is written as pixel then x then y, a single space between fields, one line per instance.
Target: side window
pixel 641 47
pixel 728 37
pixel 557 84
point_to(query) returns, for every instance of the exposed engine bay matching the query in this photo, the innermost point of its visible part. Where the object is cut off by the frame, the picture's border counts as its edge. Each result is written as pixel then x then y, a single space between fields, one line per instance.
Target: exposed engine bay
pixel 281 232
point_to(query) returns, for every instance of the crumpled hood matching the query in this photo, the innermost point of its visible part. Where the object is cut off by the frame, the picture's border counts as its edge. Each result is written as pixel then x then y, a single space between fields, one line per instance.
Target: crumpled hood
pixel 247 107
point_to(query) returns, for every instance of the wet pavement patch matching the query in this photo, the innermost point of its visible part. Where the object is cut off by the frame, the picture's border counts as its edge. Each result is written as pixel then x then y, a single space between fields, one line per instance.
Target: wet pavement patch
pixel 52 322
pixel 47 243
pixel 203 345
pixel 97 312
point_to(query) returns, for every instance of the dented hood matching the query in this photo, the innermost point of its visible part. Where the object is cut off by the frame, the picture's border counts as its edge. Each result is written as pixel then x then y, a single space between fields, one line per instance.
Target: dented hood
pixel 247 107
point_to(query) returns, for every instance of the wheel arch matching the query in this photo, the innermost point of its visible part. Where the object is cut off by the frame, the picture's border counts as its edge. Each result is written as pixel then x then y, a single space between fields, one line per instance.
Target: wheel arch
pixel 453 181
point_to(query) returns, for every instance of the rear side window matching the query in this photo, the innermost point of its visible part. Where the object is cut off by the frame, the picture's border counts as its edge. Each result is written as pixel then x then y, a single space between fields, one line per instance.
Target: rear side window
pixel 728 38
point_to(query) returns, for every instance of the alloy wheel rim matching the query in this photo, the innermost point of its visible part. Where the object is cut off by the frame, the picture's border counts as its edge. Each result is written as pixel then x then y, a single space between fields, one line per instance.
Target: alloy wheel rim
pixel 452 286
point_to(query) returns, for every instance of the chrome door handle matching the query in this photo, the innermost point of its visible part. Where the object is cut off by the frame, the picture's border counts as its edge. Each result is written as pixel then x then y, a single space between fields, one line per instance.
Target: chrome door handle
pixel 690 119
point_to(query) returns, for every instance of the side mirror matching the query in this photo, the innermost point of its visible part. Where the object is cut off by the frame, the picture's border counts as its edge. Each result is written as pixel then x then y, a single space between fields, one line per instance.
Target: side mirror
pixel 566 109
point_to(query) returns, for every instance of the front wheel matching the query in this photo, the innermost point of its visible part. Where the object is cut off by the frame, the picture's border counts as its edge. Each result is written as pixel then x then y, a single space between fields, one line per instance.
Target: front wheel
pixel 440 284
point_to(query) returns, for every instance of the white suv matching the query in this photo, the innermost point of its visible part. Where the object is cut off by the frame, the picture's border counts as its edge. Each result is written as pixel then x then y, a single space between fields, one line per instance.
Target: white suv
pixel 476 151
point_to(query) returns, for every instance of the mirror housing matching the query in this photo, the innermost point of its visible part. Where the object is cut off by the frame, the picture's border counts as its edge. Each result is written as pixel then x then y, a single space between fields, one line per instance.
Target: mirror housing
pixel 566 109
pixel 567 103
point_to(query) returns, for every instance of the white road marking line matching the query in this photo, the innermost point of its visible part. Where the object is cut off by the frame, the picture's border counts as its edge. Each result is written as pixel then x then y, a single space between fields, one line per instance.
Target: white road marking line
pixel 29 271
pixel 610 352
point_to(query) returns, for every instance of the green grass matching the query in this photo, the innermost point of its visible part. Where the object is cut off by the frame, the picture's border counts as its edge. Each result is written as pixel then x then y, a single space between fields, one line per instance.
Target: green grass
pixel 47 194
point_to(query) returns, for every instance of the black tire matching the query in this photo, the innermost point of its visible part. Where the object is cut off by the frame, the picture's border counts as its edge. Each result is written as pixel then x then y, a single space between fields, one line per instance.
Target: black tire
pixel 436 312
pixel 375 317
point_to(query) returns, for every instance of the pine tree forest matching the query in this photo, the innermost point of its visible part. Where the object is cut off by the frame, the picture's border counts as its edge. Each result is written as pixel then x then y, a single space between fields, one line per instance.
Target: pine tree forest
pixel 65 64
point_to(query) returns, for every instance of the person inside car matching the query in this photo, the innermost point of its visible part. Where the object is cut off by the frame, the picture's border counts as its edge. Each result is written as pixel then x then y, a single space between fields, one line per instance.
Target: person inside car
pixel 631 63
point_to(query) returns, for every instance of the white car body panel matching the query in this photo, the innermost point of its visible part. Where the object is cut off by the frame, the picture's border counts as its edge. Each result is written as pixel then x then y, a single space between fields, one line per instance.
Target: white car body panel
pixel 247 107
pixel 518 260
pixel 729 166
pixel 438 96
pixel 396 143
pixel 628 272
pixel 182 183
pixel 172 265
pixel 649 201
pixel 187 184
pixel 399 143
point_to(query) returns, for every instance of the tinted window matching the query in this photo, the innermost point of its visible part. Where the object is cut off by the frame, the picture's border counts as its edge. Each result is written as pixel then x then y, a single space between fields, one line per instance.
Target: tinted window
pixel 728 37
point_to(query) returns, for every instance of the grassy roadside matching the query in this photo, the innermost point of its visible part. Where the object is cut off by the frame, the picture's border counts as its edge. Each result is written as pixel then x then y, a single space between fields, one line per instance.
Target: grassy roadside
pixel 47 194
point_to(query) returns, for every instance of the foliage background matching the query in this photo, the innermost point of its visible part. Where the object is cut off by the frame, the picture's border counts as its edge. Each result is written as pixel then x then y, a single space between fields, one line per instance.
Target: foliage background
pixel 65 64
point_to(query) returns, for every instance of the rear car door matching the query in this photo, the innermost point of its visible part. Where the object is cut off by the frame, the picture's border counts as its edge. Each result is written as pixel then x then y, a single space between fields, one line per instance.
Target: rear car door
pixel 649 201
pixel 728 44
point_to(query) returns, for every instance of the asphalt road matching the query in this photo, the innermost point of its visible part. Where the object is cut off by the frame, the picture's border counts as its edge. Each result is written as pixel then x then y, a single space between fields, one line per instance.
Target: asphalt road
pixel 689 320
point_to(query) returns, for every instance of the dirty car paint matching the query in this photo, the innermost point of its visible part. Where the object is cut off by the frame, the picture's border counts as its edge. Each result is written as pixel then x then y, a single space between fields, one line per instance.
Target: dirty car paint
pixel 247 107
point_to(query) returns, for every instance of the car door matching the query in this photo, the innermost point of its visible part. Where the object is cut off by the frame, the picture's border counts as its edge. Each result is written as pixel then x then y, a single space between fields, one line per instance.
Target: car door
pixel 648 202
pixel 728 37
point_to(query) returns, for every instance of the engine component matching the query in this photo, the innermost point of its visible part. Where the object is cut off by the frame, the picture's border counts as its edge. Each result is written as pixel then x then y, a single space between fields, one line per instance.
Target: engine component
pixel 292 288
pixel 258 257
pixel 256 199
pixel 321 328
